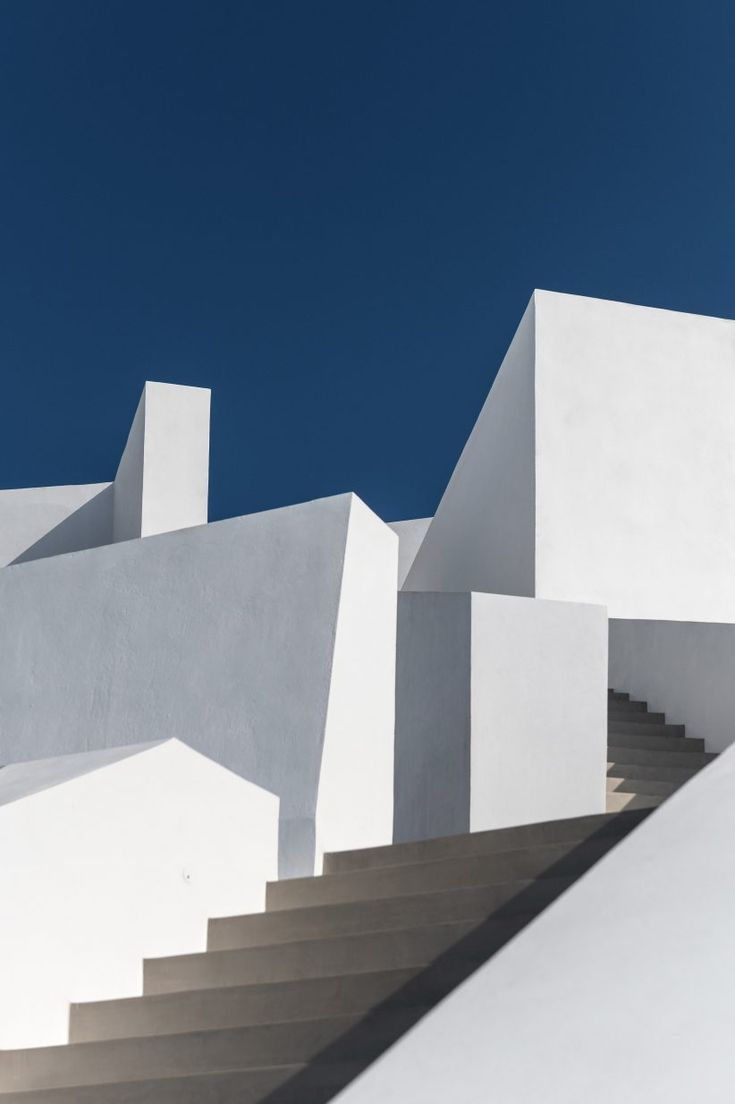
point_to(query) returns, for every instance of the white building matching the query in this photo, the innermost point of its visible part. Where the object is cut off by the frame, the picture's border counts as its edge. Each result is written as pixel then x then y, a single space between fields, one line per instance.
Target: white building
pixel 382 759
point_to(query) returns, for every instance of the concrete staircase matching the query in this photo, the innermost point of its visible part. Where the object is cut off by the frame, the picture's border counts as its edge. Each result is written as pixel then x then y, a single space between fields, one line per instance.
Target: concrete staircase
pixel 648 759
pixel 289 1005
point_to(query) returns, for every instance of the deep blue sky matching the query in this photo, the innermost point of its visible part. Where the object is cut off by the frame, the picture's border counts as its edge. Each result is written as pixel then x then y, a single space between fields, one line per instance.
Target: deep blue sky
pixel 333 214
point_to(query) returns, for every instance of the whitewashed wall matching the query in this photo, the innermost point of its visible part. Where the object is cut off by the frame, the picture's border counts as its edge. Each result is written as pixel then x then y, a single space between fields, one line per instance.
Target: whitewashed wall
pixel 410 534
pixel 112 856
pixel 600 467
pixel 621 990
pixel 265 641
pixel 482 535
pixel 501 712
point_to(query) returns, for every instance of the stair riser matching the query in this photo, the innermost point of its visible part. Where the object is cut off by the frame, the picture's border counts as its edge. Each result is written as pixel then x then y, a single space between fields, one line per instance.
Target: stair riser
pixel 412 947
pixel 627 706
pixel 252 1005
pixel 272 928
pixel 659 773
pixel 678 744
pixel 312 1086
pixel 624 802
pixel 641 729
pixel 691 760
pixel 557 860
pixel 635 717
pixel 642 786
pixel 205 1052
pixel 481 843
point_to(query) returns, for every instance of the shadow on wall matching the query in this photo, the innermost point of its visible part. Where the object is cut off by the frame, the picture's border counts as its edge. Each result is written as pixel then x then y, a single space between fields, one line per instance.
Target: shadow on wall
pixel 332 1069
pixel 87 527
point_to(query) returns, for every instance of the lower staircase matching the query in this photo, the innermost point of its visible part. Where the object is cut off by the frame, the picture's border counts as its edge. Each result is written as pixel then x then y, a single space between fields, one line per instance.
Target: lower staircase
pixel 289 1005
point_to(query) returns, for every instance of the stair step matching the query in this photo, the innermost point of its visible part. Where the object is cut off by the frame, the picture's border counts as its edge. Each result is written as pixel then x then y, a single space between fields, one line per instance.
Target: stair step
pixel 644 729
pixel 627 706
pixel 615 715
pixel 656 743
pixel 619 801
pixel 234 1049
pixel 475 903
pixel 250 1005
pixel 312 1084
pixel 691 760
pixel 402 949
pixel 480 843
pixel 617 695
pixel 648 786
pixel 558 860
pixel 661 772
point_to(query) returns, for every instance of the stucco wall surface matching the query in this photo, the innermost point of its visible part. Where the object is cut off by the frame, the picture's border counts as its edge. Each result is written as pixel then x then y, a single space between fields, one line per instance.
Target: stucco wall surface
pixel 36 522
pixel 620 990
pixel 681 668
pixel 600 468
pixel 115 856
pixel 635 446
pixel 482 535
pixel 501 712
pixel 410 534
pixel 162 481
pixel 249 639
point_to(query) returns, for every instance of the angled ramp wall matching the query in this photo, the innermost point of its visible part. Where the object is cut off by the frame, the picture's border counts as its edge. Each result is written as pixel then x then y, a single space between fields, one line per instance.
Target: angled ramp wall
pixel 621 990
pixel 112 856
pixel 265 641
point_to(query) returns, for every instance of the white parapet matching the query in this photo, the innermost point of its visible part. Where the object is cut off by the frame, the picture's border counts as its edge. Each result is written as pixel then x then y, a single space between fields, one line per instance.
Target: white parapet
pixel 501 712
pixel 598 469
pixel 112 856
pixel 621 990
pixel 266 641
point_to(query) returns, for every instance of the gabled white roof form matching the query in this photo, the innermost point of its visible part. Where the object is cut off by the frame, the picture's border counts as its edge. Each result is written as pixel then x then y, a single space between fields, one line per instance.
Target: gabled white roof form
pixel 112 856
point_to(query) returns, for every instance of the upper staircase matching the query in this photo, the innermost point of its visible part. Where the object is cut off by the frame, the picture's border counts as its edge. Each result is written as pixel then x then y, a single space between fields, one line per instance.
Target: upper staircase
pixel 648 759
pixel 289 1005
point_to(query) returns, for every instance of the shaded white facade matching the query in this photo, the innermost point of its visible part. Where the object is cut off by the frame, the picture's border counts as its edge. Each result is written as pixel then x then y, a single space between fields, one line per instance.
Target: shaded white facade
pixel 501 713
pixel 112 856
pixel 267 642
pixel 410 536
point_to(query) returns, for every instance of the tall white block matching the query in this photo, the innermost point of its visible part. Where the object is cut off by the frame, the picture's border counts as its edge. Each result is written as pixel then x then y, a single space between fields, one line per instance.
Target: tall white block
pixel 162 481
pixel 501 712
pixel 112 856
pixel 598 470
pixel 266 641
